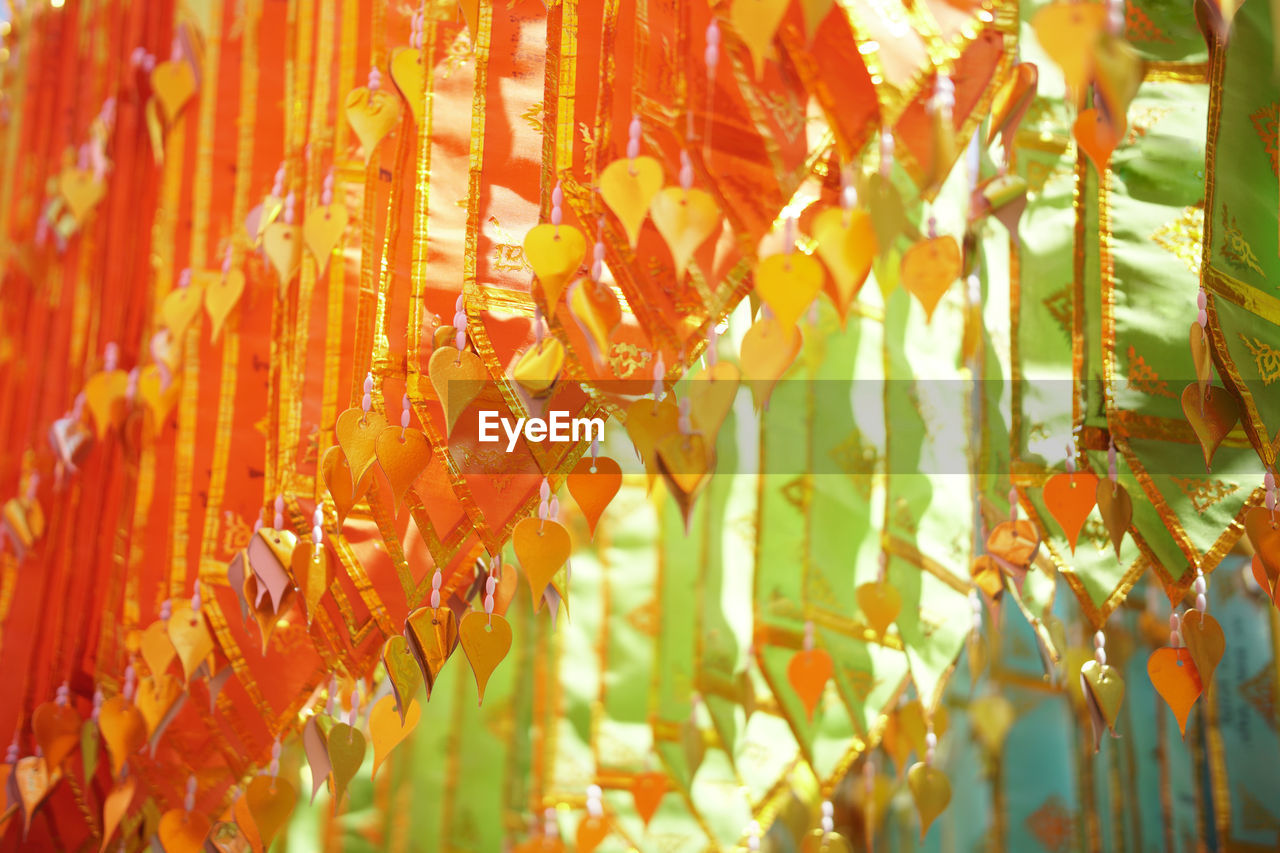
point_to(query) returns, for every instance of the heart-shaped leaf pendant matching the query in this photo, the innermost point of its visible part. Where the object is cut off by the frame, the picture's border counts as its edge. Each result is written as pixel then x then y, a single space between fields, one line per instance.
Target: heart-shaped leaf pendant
pixel 929 268
pixel 809 671
pixel 81 190
pixel 555 252
pixel 173 83
pixel 597 313
pixel 711 395
pixel 403 455
pixel 1116 509
pixel 755 22
pixel 931 791
pixel 312 573
pixel 1067 32
pixel 593 483
pixel 1173 673
pixel 410 78
pixel 847 245
pixel 768 349
pixel 1070 498
pixel 685 219
pixel 220 298
pixel 540 366
pixel 357 432
pixel 432 634
pixel 283 244
pixel 323 230
pixel 880 603
pixel 1211 417
pixel 542 547
pixel 628 187
pixel 458 377
pixel 402 671
pixel 1205 642
pixel 1096 136
pixel 371 115
pixel 338 480
pixel 788 284
pixel 485 640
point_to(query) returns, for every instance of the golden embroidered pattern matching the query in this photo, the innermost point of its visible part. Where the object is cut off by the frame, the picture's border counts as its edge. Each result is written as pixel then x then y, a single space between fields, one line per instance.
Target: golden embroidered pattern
pixel 1143 377
pixel 1140 28
pixel 861 682
pixel 533 116
pixel 1053 825
pixel 1266 357
pixel 645 618
pixel 1058 304
pixel 857 459
pixel 588 142
pixel 1142 119
pixel 509 257
pixel 1260 692
pixel 1266 123
pixel 1040 172
pixel 493 462
pixel 798 493
pixel 1184 237
pixel 235 534
pixel 1204 493
pixel 625 359
pixel 904 518
pixel 1235 248
pixel 459 53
